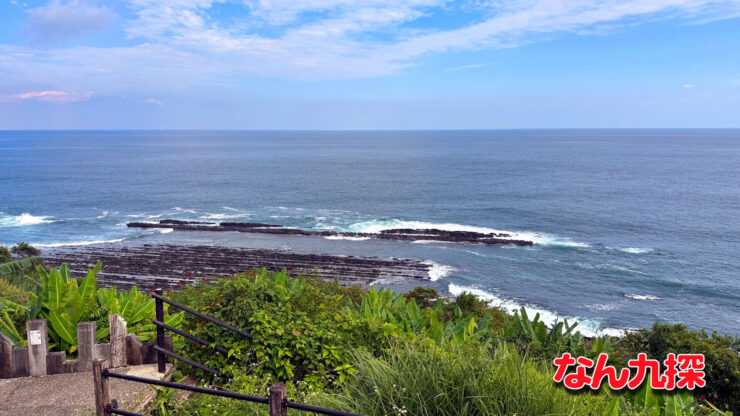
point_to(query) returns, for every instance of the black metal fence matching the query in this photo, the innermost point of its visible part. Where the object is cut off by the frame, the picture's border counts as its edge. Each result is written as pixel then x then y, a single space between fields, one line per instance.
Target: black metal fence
pixel 278 402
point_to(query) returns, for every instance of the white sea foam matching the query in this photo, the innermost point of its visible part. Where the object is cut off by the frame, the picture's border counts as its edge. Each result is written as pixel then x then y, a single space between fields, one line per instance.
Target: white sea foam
pixel 607 266
pixel 166 230
pixel 189 211
pixel 144 216
pixel 79 243
pixel 642 297
pixel 635 250
pixel 588 327
pixel 376 226
pixel 348 238
pixel 431 242
pixel 217 216
pixel 437 270
pixel 230 209
pixel 23 220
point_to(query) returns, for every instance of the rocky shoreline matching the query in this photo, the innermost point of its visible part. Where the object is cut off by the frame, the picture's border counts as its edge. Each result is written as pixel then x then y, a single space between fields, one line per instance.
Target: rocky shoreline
pixel 168 266
pixel 402 234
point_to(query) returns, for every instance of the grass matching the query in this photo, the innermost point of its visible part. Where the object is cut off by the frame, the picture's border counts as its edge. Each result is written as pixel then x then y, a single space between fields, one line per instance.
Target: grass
pixel 421 378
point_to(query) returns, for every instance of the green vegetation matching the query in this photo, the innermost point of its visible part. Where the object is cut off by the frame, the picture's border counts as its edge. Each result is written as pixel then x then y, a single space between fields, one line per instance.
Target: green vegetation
pixel 23 250
pixel 377 352
pixel 65 301
pixel 5 255
pixel 373 352
pixel 722 355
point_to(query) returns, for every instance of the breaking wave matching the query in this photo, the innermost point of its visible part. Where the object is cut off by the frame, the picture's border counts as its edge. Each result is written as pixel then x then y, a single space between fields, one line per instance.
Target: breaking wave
pixel 80 243
pixel 642 297
pixel 588 327
pixel 23 220
pixel 437 270
pixel 376 226
pixel 211 216
pixel 348 238
pixel 635 250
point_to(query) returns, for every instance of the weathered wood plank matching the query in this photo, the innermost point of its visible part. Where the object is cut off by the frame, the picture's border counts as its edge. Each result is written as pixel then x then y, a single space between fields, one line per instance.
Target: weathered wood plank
pixel 38 347
pixel 6 357
pixel 133 350
pixel 102 389
pixel 55 362
pixel 278 393
pixel 101 352
pixel 148 354
pixel 85 345
pixel 117 340
pixel 20 362
pixel 70 366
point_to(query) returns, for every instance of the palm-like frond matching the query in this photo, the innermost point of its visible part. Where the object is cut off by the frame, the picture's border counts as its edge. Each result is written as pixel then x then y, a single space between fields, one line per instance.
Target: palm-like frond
pixel 19 273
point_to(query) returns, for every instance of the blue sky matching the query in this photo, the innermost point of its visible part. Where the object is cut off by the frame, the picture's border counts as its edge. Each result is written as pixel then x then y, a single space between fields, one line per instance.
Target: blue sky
pixel 369 64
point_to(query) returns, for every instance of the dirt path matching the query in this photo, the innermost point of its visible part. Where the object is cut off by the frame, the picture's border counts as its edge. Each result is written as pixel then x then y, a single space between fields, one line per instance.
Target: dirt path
pixel 71 394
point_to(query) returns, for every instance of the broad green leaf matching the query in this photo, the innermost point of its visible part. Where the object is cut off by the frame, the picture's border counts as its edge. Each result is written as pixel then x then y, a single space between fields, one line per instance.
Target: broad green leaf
pixel 63 327
pixel 8 328
pixel 613 408
pixel 146 310
pixel 87 296
pixel 57 288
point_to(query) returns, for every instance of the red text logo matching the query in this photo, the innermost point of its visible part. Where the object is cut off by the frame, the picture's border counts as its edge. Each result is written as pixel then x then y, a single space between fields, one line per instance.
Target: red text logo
pixel 682 371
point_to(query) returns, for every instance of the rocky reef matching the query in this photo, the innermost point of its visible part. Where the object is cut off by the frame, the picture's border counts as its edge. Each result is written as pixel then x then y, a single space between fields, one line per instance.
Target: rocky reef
pixel 403 234
pixel 168 266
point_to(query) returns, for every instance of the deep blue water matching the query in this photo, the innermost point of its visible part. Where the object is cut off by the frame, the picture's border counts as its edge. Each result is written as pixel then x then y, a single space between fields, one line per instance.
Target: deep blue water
pixel 632 226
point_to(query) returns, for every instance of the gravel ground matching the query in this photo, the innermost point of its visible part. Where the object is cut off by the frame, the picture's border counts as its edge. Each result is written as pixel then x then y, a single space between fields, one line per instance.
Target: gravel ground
pixel 71 394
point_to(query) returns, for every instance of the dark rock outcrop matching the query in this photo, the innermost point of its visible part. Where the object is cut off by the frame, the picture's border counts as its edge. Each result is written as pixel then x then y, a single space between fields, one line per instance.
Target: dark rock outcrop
pixel 403 234
pixel 169 266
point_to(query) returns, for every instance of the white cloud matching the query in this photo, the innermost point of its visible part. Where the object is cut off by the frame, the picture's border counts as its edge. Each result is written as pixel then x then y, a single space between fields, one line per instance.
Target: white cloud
pixel 181 44
pixel 464 67
pixel 687 86
pixel 153 101
pixel 54 96
pixel 59 19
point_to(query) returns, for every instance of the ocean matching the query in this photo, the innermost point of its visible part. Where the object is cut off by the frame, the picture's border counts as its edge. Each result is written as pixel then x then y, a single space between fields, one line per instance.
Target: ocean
pixel 630 226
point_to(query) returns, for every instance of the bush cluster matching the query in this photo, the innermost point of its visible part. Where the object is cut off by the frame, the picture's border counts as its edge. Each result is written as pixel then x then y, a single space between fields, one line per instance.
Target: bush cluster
pixel 382 353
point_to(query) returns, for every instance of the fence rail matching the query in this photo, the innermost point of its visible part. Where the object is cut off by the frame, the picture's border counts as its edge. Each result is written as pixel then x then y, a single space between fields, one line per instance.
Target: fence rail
pixel 278 402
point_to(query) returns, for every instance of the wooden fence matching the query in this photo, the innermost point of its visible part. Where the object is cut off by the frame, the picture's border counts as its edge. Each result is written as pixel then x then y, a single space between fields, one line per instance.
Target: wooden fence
pixel 36 360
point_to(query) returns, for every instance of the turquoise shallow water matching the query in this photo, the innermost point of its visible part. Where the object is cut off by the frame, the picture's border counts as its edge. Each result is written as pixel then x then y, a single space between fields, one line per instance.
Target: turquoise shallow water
pixel 631 226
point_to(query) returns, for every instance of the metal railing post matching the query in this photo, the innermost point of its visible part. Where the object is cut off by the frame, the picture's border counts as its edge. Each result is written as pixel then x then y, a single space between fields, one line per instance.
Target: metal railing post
pixel 161 358
pixel 102 388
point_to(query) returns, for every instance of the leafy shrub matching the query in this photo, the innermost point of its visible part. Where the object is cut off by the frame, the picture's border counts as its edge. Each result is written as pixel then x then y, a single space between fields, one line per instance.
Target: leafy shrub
pixel 423 296
pixel 300 334
pixel 23 250
pixel 431 359
pixel 5 255
pixel 722 355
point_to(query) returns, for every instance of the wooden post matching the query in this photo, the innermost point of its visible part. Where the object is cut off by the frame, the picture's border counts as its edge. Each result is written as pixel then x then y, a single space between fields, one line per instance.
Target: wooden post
pixel 38 347
pixel 133 350
pixel 85 345
pixel 102 352
pixel 159 313
pixel 6 357
pixel 117 340
pixel 102 389
pixel 278 396
pixel 20 362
